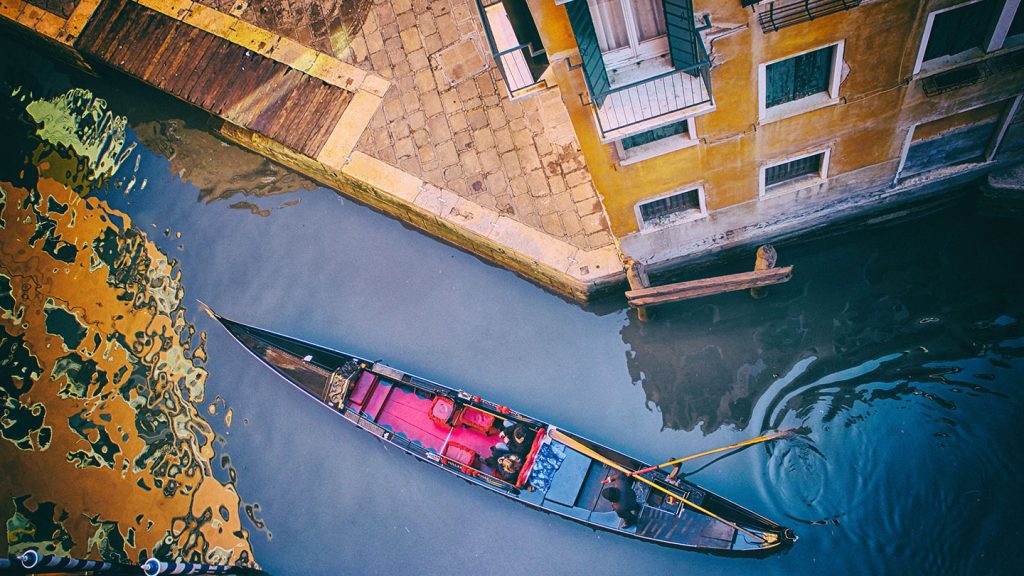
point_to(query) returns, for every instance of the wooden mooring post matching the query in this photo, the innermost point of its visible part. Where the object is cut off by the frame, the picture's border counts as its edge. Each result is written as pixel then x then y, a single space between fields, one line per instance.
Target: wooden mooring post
pixel 638 280
pixel 641 295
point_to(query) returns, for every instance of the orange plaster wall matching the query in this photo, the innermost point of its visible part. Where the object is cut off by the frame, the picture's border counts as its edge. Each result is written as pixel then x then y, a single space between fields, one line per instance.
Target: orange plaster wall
pixel 867 127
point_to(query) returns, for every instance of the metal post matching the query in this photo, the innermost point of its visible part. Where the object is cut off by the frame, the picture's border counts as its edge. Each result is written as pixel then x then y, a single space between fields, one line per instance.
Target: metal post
pixel 35 563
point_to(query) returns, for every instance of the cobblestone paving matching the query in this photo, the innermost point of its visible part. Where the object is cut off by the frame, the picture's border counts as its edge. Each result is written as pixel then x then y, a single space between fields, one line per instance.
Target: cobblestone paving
pixel 62 8
pixel 453 126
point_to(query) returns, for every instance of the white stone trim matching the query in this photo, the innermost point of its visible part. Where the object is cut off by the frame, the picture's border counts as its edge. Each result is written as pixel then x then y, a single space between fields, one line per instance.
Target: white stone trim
pixel 658 147
pixel 806 104
pixel 1004 126
pixel 798 183
pixel 680 217
pixel 997 37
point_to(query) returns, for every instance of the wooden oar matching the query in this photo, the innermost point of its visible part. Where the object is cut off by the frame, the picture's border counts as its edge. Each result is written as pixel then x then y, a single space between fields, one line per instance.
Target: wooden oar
pixel 579 447
pixel 759 439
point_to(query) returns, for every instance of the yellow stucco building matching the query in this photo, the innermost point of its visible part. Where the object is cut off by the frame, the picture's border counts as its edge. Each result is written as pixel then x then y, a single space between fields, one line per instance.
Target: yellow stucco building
pixel 708 124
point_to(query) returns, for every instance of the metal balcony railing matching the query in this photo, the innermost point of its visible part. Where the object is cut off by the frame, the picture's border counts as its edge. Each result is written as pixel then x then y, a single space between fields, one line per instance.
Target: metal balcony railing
pixel 779 16
pixel 520 65
pixel 654 98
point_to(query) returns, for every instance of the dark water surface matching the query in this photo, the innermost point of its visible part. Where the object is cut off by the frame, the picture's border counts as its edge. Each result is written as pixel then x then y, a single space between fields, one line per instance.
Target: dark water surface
pixel 898 351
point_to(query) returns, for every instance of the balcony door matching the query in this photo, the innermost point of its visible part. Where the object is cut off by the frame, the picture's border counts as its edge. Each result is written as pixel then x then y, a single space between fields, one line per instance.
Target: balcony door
pixel 629 31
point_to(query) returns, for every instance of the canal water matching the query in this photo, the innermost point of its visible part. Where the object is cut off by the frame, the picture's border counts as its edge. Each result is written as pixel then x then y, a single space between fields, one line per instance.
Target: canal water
pixel 896 350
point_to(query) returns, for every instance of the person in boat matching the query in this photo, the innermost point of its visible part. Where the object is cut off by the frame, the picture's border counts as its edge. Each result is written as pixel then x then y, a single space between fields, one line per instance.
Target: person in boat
pixel 506 465
pixel 623 500
pixel 674 477
pixel 514 439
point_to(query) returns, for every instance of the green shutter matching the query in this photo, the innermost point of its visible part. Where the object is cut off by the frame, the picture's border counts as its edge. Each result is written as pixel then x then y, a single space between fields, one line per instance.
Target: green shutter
pixel 593 64
pixel 960 29
pixel 682 34
pixel 798 77
pixel 813 71
pixel 779 82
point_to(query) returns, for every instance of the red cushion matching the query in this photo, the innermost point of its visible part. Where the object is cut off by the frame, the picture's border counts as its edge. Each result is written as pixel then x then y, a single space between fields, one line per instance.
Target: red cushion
pixel 473 418
pixel 364 386
pixel 460 454
pixel 528 463
pixel 441 410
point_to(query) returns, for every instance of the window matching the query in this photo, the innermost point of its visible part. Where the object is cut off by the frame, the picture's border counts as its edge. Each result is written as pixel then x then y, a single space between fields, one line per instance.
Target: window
pixel 671 209
pixel 798 77
pixel 660 140
pixel 666 131
pixel 958 30
pixel 629 31
pixel 966 32
pixel 800 83
pixel 795 174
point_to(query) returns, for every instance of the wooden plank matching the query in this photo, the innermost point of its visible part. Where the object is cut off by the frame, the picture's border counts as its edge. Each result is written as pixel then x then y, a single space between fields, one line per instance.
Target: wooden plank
pixel 157 61
pixel 301 128
pixel 293 123
pixel 226 78
pixel 708 286
pixel 99 25
pixel 136 51
pixel 183 37
pixel 337 102
pixel 190 71
pixel 323 129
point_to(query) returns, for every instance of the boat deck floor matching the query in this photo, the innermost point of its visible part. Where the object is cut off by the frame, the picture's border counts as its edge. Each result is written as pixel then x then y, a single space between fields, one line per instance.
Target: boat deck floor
pixel 407 413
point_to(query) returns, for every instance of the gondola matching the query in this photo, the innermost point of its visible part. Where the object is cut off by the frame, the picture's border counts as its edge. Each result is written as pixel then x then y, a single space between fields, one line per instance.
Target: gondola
pixel 561 472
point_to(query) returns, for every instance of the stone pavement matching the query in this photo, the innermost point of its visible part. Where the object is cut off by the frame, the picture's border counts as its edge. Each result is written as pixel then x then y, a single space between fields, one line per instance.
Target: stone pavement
pixel 447 118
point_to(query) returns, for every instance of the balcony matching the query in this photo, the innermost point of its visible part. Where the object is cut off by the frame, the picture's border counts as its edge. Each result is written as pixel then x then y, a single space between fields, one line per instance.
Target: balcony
pixel 638 106
pixel 511 37
pixel 777 17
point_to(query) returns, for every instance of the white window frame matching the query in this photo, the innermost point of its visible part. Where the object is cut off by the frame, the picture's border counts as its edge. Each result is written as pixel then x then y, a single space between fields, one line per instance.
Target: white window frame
pixel 636 51
pixel 807 103
pixel 996 39
pixel 798 183
pixel 658 147
pixel 680 217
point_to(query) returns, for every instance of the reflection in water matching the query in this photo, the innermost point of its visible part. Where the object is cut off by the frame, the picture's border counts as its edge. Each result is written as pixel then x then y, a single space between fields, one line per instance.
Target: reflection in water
pixel 218 169
pixel 100 374
pixel 940 296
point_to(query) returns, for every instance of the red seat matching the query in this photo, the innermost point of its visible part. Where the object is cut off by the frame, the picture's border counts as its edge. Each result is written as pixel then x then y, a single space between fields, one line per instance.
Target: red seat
pixel 524 474
pixel 441 410
pixel 477 420
pixel 364 386
pixel 461 454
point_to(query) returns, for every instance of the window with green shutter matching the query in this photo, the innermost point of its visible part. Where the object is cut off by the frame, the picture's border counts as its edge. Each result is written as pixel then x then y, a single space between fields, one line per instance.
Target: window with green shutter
pixel 666 210
pixel 798 77
pixel 960 29
pixel 658 133
pixel 787 171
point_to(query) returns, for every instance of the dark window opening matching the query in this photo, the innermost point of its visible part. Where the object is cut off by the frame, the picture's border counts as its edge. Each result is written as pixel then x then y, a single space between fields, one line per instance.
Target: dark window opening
pixel 960 29
pixel 793 169
pixel 653 212
pixel 658 133
pixel 1017 25
pixel 798 77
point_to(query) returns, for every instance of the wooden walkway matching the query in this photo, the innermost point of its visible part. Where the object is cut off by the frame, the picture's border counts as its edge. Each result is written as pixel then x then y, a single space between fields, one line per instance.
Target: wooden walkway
pixel 250 90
